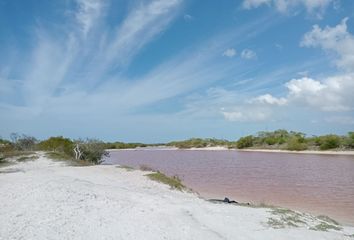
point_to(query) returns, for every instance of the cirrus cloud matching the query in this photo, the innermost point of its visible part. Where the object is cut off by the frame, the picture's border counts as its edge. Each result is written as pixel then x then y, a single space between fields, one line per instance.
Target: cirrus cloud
pixel 316 7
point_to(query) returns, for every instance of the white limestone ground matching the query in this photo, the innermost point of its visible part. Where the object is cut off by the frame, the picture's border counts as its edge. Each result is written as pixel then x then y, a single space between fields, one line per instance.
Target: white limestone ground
pixel 43 199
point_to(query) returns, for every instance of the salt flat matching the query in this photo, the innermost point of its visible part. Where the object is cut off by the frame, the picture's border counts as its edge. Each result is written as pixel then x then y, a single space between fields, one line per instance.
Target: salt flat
pixel 45 199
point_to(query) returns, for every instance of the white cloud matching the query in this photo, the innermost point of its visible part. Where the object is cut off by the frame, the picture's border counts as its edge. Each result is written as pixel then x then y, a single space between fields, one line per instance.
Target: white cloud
pixel 248 4
pixel 333 39
pixel 248 54
pixel 303 86
pixel 279 46
pixel 331 95
pixel 89 11
pixel 246 115
pixel 269 99
pixel 187 17
pixel 316 7
pixel 230 52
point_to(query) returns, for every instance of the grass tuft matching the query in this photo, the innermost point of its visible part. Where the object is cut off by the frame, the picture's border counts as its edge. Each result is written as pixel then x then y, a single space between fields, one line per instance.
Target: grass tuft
pixel 328 219
pixel 324 226
pixel 128 168
pixel 27 158
pixel 285 218
pixel 174 182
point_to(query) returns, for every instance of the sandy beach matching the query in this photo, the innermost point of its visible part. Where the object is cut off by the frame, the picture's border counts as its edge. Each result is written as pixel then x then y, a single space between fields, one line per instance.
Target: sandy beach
pixel 45 199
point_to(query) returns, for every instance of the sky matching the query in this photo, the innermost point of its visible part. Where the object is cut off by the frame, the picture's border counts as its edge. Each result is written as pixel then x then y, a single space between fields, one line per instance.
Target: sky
pixel 162 70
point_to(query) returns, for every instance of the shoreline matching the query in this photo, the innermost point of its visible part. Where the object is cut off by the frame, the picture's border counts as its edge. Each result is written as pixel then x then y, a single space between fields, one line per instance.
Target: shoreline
pixel 222 148
pixel 110 202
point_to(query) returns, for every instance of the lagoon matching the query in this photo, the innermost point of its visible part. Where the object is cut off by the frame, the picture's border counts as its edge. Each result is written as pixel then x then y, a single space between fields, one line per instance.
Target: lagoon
pixel 318 184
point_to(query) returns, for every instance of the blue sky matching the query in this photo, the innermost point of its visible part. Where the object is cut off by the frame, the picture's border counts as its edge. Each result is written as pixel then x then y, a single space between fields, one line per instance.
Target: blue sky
pixel 160 70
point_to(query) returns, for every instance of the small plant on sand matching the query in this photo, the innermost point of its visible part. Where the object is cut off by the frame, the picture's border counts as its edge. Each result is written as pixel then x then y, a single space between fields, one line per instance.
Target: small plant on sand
pixel 324 226
pixel 146 168
pixel 128 168
pixel 27 158
pixel 285 218
pixel 174 182
pixel 328 219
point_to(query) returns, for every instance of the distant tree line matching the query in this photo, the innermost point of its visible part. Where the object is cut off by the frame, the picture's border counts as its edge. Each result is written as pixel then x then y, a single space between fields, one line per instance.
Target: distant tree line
pixel 278 139
pixel 122 145
pixel 199 143
pixel 93 150
pixel 296 141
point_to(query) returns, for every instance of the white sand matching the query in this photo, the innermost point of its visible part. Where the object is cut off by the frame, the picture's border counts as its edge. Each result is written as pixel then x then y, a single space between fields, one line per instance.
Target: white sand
pixel 47 200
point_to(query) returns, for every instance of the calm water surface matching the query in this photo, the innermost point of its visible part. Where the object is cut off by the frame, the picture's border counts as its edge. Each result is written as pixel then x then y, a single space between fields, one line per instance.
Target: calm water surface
pixel 319 184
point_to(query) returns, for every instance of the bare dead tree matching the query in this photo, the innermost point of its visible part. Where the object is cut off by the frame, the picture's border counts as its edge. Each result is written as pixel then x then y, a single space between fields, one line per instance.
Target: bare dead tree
pixel 78 152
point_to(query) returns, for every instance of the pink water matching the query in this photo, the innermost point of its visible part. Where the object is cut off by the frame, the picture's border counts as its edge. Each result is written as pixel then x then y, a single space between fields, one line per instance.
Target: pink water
pixel 318 184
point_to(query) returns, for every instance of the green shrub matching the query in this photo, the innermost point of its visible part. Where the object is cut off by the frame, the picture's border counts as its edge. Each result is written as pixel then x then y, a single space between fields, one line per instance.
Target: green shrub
pixel 329 142
pixel 296 144
pixel 57 144
pixel 270 140
pixel 349 140
pixel 92 150
pixel 245 142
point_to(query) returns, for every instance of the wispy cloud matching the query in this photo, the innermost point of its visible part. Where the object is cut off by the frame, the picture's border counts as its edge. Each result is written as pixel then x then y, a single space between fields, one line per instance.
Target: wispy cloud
pixel 315 7
pixel 230 52
pixel 248 54
pixel 88 13
pixel 66 65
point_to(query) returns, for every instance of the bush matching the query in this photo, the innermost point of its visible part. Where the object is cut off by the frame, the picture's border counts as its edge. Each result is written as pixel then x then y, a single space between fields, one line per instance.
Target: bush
pixel 349 140
pixel 329 142
pixel 58 144
pixel 296 144
pixel 92 150
pixel 270 140
pixel 245 142
pixel 23 142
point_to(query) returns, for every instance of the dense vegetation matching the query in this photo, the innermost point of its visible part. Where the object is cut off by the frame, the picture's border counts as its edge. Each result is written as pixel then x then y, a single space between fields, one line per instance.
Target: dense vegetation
pixel 122 145
pixel 91 150
pixel 296 141
pixel 198 143
pixel 278 139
